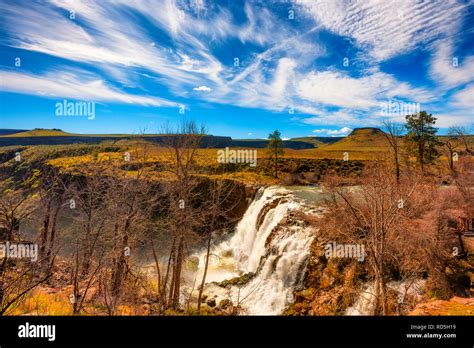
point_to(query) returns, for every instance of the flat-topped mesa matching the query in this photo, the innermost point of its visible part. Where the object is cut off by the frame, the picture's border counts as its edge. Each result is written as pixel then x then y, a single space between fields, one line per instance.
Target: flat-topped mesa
pixel 366 131
pixel 40 136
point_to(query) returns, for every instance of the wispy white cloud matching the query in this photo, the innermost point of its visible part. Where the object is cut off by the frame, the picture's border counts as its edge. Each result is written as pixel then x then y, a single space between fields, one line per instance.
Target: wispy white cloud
pixel 202 89
pixel 448 69
pixel 335 118
pixel 106 36
pixel 454 118
pixel 109 37
pixel 386 28
pixel 460 111
pixel 70 85
pixel 333 132
pixel 337 89
pixel 279 75
pixel 465 99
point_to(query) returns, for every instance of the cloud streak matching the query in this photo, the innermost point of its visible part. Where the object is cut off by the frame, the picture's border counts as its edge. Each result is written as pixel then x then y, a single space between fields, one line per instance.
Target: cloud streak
pixel 386 28
pixel 333 132
pixel 188 49
pixel 71 86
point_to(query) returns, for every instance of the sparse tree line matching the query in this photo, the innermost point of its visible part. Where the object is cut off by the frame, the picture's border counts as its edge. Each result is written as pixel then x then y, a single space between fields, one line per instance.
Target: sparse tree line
pixel 417 138
pixel 94 227
pixel 410 225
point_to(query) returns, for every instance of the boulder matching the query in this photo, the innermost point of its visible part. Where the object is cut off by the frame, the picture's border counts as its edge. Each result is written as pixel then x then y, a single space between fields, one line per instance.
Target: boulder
pixel 211 302
pixel 225 303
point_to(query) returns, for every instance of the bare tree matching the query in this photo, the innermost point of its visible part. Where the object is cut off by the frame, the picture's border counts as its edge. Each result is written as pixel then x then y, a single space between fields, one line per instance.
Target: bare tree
pixel 16 205
pixel 375 215
pixel 449 146
pixel 218 215
pixel 18 281
pixel 86 199
pixel 393 132
pixel 461 134
pixel 83 282
pixel 130 203
pixel 182 217
pixel 52 199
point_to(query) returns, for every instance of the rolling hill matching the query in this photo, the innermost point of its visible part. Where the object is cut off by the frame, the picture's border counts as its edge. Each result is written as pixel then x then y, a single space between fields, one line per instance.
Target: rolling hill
pixel 11 131
pixel 38 132
pixel 363 143
pixel 361 139
pixel 39 136
pixel 318 141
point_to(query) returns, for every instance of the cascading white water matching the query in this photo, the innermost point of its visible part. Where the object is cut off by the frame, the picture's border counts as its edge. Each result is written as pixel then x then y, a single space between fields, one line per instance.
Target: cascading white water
pixel 275 253
pixel 365 302
pixel 268 243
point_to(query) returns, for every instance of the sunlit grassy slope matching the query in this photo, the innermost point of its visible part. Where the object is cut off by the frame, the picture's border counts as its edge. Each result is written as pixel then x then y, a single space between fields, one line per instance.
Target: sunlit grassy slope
pixel 39 133
pixel 58 132
pixel 362 139
pixel 318 141
pixel 361 144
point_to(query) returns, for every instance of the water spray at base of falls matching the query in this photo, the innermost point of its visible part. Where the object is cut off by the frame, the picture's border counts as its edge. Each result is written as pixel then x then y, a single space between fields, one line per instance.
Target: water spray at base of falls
pixel 270 247
pixel 364 305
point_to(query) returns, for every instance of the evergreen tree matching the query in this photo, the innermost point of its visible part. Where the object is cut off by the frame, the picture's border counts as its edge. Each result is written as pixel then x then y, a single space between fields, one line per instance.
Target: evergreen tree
pixel 275 148
pixel 421 138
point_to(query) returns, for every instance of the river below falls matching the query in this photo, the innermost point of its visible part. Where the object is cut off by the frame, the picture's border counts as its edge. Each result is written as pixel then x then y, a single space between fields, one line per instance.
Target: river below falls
pixel 268 249
pixel 266 244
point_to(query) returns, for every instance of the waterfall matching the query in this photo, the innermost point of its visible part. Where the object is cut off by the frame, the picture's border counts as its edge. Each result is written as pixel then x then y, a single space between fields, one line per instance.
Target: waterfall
pixel 269 250
pixel 364 305
pixel 267 243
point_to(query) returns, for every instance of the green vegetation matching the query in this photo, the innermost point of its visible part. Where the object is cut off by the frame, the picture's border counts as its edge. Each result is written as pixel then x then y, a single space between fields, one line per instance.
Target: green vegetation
pixel 275 148
pixel 421 139
pixel 148 190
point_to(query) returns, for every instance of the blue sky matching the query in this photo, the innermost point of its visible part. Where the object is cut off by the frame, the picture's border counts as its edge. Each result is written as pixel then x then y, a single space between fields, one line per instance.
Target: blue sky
pixel 243 68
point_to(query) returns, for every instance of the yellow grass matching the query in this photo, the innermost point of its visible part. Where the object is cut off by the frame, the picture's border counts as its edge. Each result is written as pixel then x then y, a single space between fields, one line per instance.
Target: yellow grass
pixel 43 302
pixel 38 133
pixel 209 157
pixel 53 301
